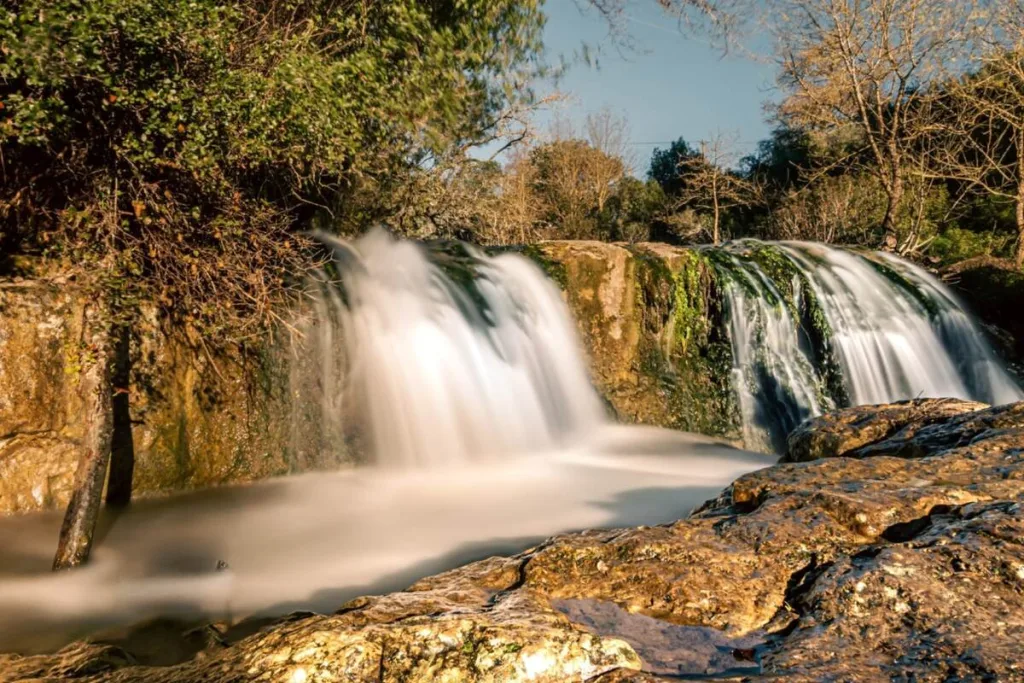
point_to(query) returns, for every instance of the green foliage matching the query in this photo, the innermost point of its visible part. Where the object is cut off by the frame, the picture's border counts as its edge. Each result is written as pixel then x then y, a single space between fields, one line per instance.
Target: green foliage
pixel 958 244
pixel 665 163
pixel 176 145
pixel 781 160
pixel 634 209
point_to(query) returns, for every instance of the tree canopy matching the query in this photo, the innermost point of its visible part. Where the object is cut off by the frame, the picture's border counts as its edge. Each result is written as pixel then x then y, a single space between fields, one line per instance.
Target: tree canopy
pixel 179 144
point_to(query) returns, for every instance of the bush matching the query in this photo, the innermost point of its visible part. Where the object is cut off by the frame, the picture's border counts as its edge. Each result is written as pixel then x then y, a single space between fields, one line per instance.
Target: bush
pixel 177 147
pixel 957 244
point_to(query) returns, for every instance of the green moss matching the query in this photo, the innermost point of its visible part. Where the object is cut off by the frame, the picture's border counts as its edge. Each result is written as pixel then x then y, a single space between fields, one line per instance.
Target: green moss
pixel 553 269
pixel 462 268
pixel 768 273
pixel 684 348
pixel 818 334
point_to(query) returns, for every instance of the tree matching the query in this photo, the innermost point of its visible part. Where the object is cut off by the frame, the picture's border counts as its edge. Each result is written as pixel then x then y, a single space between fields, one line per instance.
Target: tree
pixel 843 209
pixel 665 165
pixel 865 65
pixel 783 160
pixel 610 134
pixel 635 212
pixel 980 119
pixel 716 18
pixel 708 185
pixel 177 151
pixel 573 181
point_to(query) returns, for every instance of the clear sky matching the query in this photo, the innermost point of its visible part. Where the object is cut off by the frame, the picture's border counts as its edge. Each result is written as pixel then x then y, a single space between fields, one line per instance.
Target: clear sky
pixel 669 86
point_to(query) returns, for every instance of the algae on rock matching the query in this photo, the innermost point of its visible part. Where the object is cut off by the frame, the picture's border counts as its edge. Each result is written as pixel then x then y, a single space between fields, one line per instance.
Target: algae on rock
pixel 651 322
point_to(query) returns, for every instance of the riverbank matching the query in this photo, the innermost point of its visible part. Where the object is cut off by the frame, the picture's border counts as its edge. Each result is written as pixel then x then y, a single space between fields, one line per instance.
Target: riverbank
pixel 863 567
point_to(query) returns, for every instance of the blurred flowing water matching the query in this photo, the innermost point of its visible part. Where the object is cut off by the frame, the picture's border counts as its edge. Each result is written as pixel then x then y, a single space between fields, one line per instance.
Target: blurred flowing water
pixel 456 357
pixel 815 327
pixel 464 373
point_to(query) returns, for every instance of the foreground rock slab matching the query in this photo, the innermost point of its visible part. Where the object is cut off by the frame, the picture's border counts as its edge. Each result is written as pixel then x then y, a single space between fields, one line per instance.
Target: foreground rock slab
pixel 903 560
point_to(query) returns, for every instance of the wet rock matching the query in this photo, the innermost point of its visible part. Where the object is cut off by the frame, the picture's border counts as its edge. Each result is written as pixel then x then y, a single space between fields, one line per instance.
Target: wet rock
pixel 196 421
pixel 842 433
pixel 870 568
pixel 652 325
pixel 947 604
pixel 518 637
pixel 936 436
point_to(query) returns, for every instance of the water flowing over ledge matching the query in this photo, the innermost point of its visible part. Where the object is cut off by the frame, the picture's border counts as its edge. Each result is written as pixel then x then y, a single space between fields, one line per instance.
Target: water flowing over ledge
pixel 653 320
pixel 477 361
pixel 454 353
pixel 815 328
pixel 464 372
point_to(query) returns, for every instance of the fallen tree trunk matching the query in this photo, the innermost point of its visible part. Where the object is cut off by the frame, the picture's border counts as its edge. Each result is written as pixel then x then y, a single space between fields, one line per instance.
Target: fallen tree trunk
pixel 95 386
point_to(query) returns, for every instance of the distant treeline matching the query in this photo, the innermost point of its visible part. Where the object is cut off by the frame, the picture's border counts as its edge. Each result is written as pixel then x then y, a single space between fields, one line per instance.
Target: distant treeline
pixel 180 151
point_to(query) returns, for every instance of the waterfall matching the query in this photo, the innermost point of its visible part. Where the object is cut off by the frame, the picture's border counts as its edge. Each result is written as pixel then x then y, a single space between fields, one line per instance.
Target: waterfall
pixel 815 327
pixel 456 355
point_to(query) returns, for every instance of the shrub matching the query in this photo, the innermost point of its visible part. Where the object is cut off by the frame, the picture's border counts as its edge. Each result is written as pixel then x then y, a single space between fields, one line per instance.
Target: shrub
pixel 177 148
pixel 957 244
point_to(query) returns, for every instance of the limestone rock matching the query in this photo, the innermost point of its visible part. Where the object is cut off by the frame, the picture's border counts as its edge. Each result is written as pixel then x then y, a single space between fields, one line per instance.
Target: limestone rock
pixel 878 568
pixel 514 637
pixel 842 433
pixel 945 604
pixel 196 422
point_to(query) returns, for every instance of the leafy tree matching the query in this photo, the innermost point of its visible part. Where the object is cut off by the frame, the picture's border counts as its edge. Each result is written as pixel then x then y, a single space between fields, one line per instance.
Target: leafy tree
pixel 179 143
pixel 665 165
pixel 573 181
pixel 783 160
pixel 635 212
pixel 707 191
pixel 174 150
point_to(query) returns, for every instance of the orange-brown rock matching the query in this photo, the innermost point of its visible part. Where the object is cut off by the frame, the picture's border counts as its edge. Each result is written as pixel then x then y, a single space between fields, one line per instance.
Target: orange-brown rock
pixel 879 568
pixel 842 433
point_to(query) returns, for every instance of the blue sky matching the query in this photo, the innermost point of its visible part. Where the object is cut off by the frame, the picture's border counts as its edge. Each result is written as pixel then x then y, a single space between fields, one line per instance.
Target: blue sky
pixel 669 86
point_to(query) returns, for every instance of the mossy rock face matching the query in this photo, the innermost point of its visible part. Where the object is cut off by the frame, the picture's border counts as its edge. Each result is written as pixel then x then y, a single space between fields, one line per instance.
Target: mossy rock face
pixel 651 321
pixel 196 421
pixel 774 282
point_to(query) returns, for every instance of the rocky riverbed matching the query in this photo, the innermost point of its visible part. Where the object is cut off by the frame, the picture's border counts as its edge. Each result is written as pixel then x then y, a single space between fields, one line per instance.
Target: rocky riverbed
pixel 894 550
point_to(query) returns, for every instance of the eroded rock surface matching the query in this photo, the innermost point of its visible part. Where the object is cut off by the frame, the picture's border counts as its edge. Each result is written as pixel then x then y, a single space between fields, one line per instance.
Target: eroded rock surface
pixel 866 568
pixel 843 433
pixel 195 421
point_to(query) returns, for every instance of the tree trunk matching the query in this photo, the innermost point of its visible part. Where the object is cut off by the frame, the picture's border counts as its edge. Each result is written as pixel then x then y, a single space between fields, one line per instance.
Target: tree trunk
pixel 122 453
pixel 716 235
pixel 1019 256
pixel 890 238
pixel 95 386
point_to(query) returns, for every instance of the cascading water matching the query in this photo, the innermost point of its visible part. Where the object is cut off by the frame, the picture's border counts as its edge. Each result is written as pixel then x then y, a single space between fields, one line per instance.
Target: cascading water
pixel 815 327
pixel 450 365
pixel 461 368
